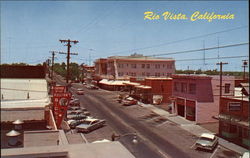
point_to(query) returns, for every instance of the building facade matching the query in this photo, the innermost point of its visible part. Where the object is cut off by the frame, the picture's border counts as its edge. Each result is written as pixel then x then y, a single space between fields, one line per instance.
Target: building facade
pixel 234 119
pixel 196 97
pixel 123 67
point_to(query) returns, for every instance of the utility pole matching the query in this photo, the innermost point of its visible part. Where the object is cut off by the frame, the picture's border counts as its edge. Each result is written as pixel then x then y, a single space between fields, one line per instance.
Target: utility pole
pixel 68 54
pixel 221 64
pixel 244 67
pixel 52 64
pixel 48 64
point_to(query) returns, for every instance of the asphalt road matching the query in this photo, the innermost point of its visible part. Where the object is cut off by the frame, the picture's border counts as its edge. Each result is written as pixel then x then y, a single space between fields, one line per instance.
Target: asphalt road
pixel 151 143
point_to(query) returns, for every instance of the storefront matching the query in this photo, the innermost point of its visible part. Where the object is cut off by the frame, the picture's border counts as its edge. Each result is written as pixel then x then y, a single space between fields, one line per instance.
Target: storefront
pixel 190 110
pixel 234 129
pixel 180 103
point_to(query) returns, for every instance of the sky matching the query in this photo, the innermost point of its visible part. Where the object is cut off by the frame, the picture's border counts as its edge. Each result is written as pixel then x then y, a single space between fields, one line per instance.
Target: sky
pixel 31 29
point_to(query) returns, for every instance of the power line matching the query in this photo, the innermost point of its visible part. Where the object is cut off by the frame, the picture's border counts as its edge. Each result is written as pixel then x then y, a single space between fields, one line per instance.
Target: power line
pixel 227 57
pixel 177 41
pixel 201 49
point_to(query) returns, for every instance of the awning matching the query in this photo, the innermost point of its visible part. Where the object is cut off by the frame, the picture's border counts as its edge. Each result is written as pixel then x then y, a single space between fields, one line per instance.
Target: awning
pixel 131 83
pixel 233 119
pixel 113 82
pixel 143 87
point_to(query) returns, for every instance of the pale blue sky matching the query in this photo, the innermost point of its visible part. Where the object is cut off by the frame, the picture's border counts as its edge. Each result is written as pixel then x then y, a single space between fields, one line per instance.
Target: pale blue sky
pixel 29 30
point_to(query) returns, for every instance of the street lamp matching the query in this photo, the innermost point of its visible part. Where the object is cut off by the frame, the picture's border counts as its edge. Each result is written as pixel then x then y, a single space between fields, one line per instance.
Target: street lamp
pixel 114 137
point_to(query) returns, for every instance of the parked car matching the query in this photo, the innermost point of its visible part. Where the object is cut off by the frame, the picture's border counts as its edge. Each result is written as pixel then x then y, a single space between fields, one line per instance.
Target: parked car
pixel 92 87
pixel 76 116
pixel 121 97
pixel 245 155
pixel 78 112
pixel 129 101
pixel 74 108
pixel 74 102
pixel 73 123
pixel 80 91
pixel 74 112
pixel 206 141
pixel 89 125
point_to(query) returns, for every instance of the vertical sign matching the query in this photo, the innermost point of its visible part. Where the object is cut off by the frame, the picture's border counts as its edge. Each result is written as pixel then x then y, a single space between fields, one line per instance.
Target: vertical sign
pixel 61 100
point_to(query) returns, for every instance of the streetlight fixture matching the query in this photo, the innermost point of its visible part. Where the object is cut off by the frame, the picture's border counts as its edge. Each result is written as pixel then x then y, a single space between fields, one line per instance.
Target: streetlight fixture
pixel 116 137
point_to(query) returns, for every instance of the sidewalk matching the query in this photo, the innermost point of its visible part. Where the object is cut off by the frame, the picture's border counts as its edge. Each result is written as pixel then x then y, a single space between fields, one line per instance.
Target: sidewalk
pixel 192 127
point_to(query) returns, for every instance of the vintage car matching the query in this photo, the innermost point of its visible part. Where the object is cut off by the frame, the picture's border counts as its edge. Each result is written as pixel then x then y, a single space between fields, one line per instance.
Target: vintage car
pixel 78 112
pixel 76 116
pixel 74 108
pixel 74 112
pixel 74 102
pixel 92 87
pixel 206 141
pixel 79 91
pixel 89 125
pixel 73 123
pixel 129 101
pixel 121 97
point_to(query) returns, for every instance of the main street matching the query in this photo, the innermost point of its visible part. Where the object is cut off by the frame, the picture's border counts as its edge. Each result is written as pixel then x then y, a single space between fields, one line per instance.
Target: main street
pixel 166 140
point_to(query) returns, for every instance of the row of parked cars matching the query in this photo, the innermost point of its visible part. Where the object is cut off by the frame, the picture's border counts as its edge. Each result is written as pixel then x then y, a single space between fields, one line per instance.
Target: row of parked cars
pixel 79 118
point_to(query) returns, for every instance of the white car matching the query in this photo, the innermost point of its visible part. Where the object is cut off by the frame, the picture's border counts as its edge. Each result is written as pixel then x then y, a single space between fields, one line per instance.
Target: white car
pixel 245 155
pixel 206 141
pixel 90 124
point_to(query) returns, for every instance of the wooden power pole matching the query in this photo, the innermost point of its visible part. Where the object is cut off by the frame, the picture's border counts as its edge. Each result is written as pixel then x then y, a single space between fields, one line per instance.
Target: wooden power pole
pixel 244 67
pixel 68 54
pixel 221 64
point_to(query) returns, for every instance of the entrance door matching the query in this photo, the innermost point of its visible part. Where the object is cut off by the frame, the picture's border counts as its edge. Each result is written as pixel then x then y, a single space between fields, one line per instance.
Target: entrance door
pixel 180 110
pixel 239 132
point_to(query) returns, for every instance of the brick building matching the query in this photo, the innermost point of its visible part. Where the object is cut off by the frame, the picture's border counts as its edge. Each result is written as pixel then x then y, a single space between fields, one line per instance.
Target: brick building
pixel 153 87
pixel 196 97
pixel 234 118
pixel 123 67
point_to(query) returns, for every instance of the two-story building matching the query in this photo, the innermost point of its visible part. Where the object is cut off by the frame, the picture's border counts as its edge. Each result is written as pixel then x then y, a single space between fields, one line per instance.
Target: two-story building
pixel 234 117
pixel 196 97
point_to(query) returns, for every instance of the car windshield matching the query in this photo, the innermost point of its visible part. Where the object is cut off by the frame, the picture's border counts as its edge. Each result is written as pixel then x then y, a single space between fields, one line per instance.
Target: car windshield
pixel 80 89
pixel 206 139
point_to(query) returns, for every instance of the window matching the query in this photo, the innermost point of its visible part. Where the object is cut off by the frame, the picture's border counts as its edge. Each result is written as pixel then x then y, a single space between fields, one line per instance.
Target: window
pixel 184 87
pixel 143 66
pixel 234 106
pixel 148 74
pixel 133 66
pixel 157 66
pixel 227 88
pixel 120 65
pixel 169 74
pixel 120 73
pixel 143 74
pixel 176 86
pixel 192 88
pixel 148 66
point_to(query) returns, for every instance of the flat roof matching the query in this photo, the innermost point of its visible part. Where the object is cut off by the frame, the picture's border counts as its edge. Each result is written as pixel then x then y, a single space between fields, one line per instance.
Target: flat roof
pixel 91 150
pixel 158 78
pixel 23 89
